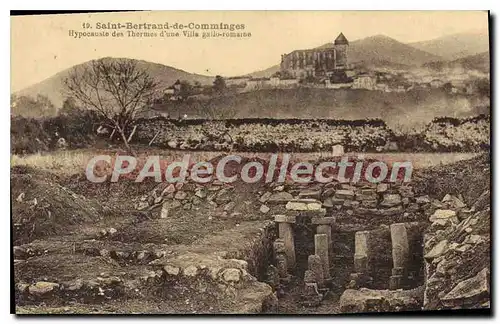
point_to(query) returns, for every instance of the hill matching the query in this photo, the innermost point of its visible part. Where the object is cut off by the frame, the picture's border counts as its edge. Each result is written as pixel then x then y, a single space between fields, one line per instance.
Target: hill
pixel 452 47
pixel 53 87
pixel 380 48
pixel 265 73
pixel 479 62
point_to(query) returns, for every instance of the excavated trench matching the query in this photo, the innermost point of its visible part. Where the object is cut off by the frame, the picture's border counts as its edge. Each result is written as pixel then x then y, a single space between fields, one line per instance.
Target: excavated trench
pixel 385 256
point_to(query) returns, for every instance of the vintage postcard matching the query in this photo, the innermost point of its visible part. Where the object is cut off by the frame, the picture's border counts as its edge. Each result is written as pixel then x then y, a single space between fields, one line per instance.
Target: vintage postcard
pixel 250 162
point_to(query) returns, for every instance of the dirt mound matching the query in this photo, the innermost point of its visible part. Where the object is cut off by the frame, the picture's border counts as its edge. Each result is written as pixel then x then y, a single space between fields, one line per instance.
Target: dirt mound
pixel 458 262
pixel 41 207
pixel 469 178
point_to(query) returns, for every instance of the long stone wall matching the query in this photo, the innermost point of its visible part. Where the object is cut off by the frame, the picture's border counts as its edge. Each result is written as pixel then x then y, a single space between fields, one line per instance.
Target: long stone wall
pixel 271 135
pixel 266 135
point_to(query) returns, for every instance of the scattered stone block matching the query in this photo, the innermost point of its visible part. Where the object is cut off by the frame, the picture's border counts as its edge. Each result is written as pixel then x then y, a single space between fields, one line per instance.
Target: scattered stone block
pixel 344 194
pixel 337 201
pixel 382 187
pixel 285 219
pixel 454 203
pixel 362 211
pixel 393 211
pixel 369 203
pixel 437 250
pixel 190 271
pixel 231 275
pixel 444 214
pixel 351 204
pixel 366 194
pixel 328 203
pixel 346 186
pixel 469 291
pixel 265 197
pixel 169 189
pixel 423 200
pixel 180 195
pixel 42 288
pixel 279 197
pixel 314 194
pixel 201 193
pixel 314 206
pixel 406 191
pixel 391 200
pixel 473 239
pixel 172 270
pixel 293 205
pixel 367 300
pixel 328 192
pixel 279 188
pixel 168 206
pixel 359 280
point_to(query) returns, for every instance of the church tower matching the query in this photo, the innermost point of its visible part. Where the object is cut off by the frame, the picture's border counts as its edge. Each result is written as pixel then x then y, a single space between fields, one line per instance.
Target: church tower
pixel 341 44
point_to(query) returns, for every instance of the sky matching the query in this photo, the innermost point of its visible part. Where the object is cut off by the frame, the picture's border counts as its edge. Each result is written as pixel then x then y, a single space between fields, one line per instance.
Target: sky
pixel 41 45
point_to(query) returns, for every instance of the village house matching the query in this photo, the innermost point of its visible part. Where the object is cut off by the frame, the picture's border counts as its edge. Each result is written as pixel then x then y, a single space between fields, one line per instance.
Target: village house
pixel 364 81
pixel 436 83
pixel 237 81
pixel 458 87
pixel 269 83
pixel 382 87
pixel 337 85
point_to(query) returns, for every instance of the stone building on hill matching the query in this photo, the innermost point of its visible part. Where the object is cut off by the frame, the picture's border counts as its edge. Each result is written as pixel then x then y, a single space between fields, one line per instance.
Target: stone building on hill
pixel 318 62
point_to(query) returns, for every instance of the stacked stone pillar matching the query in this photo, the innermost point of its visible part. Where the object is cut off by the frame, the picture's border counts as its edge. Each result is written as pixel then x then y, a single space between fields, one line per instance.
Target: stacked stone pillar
pixel 361 276
pixel 314 280
pixel 321 250
pixel 400 255
pixel 323 244
pixel 281 259
pixel 285 232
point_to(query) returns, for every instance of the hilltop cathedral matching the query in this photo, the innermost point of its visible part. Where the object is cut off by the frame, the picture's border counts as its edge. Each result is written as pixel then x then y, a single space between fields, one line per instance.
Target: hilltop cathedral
pixel 317 62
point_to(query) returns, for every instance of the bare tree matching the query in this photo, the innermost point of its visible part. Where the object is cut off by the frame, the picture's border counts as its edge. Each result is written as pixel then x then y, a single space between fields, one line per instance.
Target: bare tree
pixel 116 88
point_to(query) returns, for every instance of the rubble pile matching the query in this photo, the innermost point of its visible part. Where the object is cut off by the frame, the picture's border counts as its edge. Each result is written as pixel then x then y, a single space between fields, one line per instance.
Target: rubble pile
pixel 457 255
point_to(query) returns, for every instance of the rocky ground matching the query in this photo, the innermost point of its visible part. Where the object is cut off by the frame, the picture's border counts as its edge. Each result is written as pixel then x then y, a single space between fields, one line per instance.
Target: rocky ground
pixel 170 248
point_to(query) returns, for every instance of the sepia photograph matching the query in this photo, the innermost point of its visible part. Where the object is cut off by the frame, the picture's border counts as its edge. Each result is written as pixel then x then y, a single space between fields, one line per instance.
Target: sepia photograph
pixel 251 162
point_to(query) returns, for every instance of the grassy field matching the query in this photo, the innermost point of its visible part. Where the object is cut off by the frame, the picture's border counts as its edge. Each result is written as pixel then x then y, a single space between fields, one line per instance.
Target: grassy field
pixel 75 161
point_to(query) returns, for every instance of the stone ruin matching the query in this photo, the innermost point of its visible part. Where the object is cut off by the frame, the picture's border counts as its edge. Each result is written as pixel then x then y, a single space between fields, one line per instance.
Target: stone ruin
pixel 317 274
pixel 388 249
pixel 363 239
pixel 317 277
